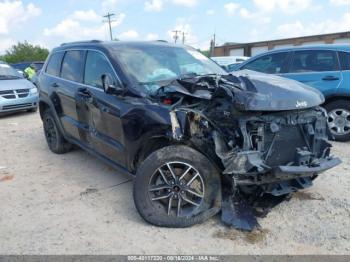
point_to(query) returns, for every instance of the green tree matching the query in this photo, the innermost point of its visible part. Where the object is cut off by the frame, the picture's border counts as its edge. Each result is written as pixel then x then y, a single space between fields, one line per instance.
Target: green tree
pixel 25 52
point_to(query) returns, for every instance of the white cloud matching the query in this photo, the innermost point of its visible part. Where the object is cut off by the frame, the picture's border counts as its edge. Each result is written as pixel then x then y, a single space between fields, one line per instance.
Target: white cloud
pixel 14 13
pixel 340 2
pixel 127 35
pixel 286 6
pixel 210 12
pixel 118 20
pixel 188 3
pixel 328 26
pixel 6 43
pixel 75 26
pixel 152 36
pixel 108 5
pixel 257 17
pixel 231 8
pixel 154 5
pixel 89 15
pixel 71 29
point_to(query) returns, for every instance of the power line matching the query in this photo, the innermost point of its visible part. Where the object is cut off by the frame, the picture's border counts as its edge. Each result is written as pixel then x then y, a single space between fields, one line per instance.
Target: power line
pixel 109 21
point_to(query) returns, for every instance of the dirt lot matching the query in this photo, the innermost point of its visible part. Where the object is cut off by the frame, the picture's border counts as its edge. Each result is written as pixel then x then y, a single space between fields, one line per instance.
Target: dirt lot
pixel 72 204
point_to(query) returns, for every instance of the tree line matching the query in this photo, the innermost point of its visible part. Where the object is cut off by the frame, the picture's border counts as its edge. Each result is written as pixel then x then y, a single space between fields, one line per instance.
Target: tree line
pixel 24 52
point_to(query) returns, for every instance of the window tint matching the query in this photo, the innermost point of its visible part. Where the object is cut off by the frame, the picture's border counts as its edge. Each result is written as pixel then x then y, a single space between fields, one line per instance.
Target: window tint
pixel 54 65
pixel 314 61
pixel 344 60
pixel 96 66
pixel 72 65
pixel 270 64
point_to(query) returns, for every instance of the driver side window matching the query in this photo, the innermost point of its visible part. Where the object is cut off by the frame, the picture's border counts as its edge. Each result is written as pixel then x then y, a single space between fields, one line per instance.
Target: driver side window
pixel 96 66
pixel 269 64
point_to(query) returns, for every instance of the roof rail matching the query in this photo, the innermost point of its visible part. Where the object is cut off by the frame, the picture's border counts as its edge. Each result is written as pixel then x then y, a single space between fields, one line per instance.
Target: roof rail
pixel 82 42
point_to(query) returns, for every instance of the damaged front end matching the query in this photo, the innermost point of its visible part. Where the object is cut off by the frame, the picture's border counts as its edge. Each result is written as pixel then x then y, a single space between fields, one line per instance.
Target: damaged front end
pixel 268 134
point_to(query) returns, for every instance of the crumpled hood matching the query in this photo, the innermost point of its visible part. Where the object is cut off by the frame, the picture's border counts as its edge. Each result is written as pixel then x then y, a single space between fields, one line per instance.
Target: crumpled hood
pixel 265 92
pixel 15 84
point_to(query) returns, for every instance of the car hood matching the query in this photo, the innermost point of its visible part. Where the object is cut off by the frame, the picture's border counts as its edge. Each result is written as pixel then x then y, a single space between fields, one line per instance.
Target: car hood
pixel 15 84
pixel 263 92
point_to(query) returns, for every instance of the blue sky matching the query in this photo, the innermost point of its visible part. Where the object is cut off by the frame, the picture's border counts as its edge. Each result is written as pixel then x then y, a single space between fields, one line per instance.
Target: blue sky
pixel 49 23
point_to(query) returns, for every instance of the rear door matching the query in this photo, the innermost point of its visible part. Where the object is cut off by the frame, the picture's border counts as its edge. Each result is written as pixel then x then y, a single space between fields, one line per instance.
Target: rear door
pixel 344 87
pixel 66 88
pixel 317 68
pixel 106 129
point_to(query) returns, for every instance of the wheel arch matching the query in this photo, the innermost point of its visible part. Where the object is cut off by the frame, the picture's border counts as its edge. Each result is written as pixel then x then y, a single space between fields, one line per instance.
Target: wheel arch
pixel 332 99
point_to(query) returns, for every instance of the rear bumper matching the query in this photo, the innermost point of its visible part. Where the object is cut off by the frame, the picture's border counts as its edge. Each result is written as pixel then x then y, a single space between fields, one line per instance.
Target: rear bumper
pixel 10 105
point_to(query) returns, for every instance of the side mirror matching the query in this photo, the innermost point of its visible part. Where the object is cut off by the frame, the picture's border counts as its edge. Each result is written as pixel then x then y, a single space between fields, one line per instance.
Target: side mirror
pixel 109 85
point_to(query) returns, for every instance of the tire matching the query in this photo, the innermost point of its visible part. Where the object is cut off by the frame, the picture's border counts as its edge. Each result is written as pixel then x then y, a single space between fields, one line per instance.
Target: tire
pixel 54 138
pixel 339 119
pixel 204 194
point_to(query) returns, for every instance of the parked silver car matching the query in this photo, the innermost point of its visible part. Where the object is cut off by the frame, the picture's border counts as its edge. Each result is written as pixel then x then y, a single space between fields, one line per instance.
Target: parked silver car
pixel 16 93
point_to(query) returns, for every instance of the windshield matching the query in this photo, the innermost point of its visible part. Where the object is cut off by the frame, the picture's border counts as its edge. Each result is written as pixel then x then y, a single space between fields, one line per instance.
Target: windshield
pixel 7 72
pixel 149 65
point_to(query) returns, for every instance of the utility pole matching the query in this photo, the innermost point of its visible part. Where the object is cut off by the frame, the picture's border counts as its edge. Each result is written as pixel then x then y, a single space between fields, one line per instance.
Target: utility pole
pixel 212 45
pixel 109 21
pixel 176 36
pixel 183 37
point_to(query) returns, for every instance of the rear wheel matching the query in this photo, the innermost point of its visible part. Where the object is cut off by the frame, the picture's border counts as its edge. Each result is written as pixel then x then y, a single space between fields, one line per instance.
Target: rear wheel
pixel 177 186
pixel 54 138
pixel 339 119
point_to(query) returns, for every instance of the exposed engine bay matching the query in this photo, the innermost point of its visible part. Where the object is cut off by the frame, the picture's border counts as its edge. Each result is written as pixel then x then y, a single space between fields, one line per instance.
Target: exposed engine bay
pixel 268 135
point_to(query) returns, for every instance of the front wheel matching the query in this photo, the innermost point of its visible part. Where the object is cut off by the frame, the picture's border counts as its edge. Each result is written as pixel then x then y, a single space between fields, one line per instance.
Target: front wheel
pixel 177 186
pixel 339 119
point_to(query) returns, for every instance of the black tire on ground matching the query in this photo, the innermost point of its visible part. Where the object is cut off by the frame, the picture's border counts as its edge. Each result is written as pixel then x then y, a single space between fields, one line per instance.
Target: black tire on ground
pixel 204 191
pixel 55 140
pixel 32 110
pixel 336 109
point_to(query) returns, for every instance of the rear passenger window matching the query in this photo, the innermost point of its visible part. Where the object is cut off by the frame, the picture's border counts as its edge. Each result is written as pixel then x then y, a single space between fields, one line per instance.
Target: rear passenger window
pixel 96 66
pixel 344 60
pixel 314 61
pixel 54 65
pixel 269 64
pixel 72 66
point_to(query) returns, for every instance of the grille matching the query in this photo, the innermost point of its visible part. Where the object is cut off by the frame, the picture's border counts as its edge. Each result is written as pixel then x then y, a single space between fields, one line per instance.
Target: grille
pixel 284 145
pixel 13 94
pixel 18 106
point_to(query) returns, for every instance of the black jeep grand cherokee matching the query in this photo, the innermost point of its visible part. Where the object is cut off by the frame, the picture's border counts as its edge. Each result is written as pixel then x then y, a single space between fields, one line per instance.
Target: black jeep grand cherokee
pixel 197 140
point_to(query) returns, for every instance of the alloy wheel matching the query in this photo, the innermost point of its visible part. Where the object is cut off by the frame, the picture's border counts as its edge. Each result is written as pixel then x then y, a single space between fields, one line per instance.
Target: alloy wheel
pixel 177 188
pixel 339 121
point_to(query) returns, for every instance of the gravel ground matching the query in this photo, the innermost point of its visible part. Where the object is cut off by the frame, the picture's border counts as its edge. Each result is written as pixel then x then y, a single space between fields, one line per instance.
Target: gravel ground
pixel 73 204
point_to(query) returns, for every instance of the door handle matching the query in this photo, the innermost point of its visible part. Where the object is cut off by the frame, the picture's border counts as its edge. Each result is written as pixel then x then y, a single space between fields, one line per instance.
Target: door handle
pixel 55 85
pixel 84 92
pixel 330 78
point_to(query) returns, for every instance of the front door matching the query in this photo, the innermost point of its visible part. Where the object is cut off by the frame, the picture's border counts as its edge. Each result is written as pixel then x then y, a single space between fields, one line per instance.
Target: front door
pixel 106 130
